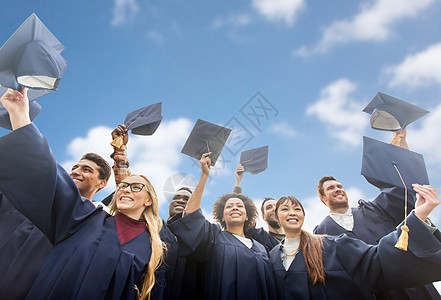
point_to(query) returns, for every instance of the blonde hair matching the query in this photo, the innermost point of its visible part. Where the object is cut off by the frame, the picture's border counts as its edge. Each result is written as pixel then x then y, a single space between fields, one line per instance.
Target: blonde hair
pixel 154 226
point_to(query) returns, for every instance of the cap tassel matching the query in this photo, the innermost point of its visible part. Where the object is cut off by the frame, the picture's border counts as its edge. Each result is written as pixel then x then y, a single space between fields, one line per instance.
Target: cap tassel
pixel 117 142
pixel 403 239
pixel 396 141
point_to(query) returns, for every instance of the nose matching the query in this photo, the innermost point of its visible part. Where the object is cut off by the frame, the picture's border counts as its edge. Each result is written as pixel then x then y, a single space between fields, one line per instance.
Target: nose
pixel 75 171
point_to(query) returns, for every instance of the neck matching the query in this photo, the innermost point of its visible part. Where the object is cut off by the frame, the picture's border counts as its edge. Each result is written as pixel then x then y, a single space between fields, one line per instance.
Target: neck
pixel 236 229
pixel 276 230
pixel 339 210
pixel 88 196
pixel 132 215
pixel 293 234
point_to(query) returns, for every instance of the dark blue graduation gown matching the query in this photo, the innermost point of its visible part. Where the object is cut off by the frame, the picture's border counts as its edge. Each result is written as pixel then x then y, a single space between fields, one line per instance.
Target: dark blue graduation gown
pixel 375 219
pixel 354 269
pixel 232 270
pixel 87 261
pixel 263 237
pixel 23 250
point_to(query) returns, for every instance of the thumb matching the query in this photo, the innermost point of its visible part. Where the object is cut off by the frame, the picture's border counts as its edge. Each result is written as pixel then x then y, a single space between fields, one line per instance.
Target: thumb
pixel 24 92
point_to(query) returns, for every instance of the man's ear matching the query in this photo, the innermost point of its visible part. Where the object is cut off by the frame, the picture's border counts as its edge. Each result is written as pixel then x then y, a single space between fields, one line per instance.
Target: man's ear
pixel 323 200
pixel 101 183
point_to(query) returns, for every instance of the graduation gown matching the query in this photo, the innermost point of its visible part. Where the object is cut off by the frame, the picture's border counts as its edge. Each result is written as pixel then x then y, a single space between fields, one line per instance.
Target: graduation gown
pixel 375 219
pixel 232 270
pixel 354 269
pixel 263 237
pixel 184 277
pixel 87 261
pixel 23 250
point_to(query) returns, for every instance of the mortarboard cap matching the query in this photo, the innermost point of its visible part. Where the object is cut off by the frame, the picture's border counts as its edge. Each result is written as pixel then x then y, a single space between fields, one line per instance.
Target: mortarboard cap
pixel 254 160
pixel 206 137
pixel 31 57
pixel 34 107
pixel 378 165
pixel 392 114
pixel 144 121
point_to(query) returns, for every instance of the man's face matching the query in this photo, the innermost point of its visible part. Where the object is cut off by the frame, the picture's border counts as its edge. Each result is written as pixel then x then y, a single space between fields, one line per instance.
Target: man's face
pixel 85 175
pixel 334 195
pixel 179 202
pixel 269 214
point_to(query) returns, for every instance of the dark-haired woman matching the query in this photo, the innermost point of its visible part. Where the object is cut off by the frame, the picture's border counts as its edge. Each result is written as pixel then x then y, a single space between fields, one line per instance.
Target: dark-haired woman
pixel 236 267
pixel 308 266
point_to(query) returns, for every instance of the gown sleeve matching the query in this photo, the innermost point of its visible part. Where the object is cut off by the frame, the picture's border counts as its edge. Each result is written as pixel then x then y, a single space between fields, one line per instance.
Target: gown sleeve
pixel 38 187
pixel 385 267
pixel 390 203
pixel 196 236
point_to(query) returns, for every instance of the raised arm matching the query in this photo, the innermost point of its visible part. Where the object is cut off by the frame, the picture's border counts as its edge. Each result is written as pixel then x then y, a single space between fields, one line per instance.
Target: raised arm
pixel 31 178
pixel 121 163
pixel 195 199
pixel 238 175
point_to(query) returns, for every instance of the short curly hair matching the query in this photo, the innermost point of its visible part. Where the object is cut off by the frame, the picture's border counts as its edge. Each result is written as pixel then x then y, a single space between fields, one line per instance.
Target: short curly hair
pixel 219 207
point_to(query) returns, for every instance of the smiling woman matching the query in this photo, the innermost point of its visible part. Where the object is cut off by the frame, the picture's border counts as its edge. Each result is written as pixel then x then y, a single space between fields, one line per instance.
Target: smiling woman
pixel 308 266
pixel 235 267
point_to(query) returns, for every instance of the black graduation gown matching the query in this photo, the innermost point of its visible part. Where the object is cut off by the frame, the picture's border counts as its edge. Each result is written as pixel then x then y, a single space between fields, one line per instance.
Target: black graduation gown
pixel 184 277
pixel 375 219
pixel 87 261
pixel 263 237
pixel 232 270
pixel 23 250
pixel 354 269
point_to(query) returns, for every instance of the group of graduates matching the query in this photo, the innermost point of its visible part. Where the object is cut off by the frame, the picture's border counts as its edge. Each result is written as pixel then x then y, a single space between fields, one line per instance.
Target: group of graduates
pixel 56 243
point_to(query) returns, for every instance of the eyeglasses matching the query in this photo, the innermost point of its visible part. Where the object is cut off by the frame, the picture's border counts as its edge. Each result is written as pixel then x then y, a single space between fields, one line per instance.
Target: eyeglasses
pixel 134 187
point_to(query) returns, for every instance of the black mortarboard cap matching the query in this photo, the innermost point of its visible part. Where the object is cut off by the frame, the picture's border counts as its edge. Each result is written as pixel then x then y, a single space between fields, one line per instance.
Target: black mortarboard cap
pixel 378 165
pixel 34 107
pixel 146 120
pixel 206 137
pixel 254 160
pixel 392 114
pixel 31 57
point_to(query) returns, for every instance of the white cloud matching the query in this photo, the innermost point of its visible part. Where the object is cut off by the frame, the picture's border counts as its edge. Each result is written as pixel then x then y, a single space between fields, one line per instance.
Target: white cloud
pixel 235 20
pixel 283 128
pixel 279 10
pixel 342 115
pixel 427 139
pixel 124 10
pixel 373 23
pixel 420 69
pixel 155 36
pixel 156 156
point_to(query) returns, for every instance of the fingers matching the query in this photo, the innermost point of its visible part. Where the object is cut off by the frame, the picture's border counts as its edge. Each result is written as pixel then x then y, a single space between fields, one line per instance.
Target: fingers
pixel 429 193
pixel 239 168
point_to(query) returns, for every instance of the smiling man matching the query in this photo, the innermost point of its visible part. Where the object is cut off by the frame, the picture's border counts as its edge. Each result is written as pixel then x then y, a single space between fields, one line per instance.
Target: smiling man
pixel 369 222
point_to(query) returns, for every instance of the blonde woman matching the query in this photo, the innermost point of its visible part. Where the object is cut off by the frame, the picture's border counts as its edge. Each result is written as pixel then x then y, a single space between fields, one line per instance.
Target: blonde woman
pixel 308 266
pixel 95 255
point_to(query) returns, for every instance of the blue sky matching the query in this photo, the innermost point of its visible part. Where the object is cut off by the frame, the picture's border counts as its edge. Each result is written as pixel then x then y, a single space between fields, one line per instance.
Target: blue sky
pixel 312 65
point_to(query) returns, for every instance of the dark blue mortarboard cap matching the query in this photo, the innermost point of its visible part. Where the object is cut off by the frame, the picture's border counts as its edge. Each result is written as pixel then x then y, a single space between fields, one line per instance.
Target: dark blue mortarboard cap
pixel 380 159
pixel 206 137
pixel 31 57
pixel 392 114
pixel 254 160
pixel 146 120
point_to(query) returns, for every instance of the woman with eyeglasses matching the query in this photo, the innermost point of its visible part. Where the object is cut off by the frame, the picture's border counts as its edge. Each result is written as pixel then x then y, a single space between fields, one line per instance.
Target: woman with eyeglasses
pixel 235 267
pixel 95 255
pixel 308 266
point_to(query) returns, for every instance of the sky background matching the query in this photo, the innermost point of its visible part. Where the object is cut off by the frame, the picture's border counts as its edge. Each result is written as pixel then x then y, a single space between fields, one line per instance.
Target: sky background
pixel 290 74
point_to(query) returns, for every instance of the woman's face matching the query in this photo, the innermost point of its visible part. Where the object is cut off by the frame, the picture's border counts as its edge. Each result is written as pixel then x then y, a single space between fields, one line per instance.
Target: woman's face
pixel 234 212
pixel 132 203
pixel 291 217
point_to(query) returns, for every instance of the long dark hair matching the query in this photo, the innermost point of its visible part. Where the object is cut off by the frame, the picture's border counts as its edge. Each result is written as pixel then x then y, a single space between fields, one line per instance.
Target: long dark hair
pixel 311 245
